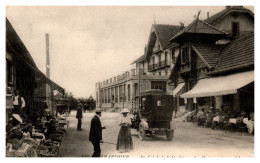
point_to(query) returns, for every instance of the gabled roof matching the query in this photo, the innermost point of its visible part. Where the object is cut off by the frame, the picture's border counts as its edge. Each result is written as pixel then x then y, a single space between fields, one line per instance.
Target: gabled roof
pixel 237 54
pixel 208 53
pixel 140 59
pixel 164 33
pixel 198 27
pixel 215 18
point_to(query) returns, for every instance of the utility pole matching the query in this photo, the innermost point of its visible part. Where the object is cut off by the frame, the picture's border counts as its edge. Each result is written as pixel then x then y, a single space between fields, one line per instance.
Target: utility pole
pixel 139 85
pixel 48 89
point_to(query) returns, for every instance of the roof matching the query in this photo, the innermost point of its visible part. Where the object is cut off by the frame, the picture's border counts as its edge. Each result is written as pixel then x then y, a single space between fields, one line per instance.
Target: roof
pixel 214 18
pixel 140 59
pixel 15 44
pixel 209 53
pixel 164 33
pixel 199 27
pixel 13 39
pixel 237 54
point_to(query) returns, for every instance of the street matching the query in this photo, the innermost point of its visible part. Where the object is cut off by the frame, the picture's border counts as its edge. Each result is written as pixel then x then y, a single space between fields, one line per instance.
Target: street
pixel 188 141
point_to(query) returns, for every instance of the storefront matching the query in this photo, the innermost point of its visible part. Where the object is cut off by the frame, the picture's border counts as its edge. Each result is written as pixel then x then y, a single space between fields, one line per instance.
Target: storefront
pixel 228 90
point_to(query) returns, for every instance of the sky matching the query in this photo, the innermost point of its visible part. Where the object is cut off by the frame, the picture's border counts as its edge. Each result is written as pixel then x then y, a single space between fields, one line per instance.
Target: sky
pixel 92 44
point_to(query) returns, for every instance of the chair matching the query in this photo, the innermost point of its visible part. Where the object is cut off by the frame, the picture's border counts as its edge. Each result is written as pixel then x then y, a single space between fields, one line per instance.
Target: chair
pixel 241 127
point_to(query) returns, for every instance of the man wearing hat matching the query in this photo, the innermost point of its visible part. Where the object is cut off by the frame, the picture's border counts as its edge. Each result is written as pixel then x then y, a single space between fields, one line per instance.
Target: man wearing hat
pixel 79 116
pixel 95 135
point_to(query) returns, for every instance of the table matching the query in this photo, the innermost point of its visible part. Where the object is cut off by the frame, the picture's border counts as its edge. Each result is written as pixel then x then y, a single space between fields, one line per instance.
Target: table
pixel 232 120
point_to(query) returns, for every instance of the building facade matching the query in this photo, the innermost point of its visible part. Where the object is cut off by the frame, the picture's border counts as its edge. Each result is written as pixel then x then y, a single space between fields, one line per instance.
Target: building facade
pixel 151 71
pixel 212 53
pixel 176 58
pixel 22 74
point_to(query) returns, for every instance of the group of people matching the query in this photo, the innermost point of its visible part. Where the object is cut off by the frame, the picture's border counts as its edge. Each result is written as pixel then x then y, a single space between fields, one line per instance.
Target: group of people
pixel 124 141
pixel 219 117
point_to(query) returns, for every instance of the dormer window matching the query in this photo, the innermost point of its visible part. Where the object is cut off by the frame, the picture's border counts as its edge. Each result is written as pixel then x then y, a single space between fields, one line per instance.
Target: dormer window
pixel 235 29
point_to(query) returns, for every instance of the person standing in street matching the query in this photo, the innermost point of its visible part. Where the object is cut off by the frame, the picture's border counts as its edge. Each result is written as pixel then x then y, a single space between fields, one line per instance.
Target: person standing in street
pixel 95 135
pixel 124 140
pixel 18 103
pixel 79 116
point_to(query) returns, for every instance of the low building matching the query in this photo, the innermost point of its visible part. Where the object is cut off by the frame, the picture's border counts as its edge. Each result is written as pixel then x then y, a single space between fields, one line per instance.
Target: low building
pixel 22 74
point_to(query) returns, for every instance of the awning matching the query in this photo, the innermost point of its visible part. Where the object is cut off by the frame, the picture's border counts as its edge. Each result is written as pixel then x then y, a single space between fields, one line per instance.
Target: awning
pixel 177 89
pixel 222 85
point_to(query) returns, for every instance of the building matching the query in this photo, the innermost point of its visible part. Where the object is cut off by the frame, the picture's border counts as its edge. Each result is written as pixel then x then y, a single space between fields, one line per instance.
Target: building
pixel 22 74
pixel 152 71
pixel 219 50
pixel 231 84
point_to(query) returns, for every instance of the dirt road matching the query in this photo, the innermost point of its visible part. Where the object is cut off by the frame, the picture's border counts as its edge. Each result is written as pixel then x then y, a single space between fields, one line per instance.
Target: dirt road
pixel 188 141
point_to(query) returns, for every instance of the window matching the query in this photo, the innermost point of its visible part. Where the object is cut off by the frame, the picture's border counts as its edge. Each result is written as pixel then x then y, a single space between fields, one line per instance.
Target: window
pixel 160 73
pixel 97 96
pixel 191 84
pixel 166 55
pixel 128 92
pixel 184 55
pixel 173 57
pixel 159 58
pixel 158 85
pixel 9 72
pixel 153 62
pixel 235 29
pixel 166 72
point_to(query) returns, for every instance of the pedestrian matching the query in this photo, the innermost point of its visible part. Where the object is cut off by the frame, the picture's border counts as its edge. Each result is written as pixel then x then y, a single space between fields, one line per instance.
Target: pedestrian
pixel 79 116
pixel 95 134
pixel 124 140
pixel 18 103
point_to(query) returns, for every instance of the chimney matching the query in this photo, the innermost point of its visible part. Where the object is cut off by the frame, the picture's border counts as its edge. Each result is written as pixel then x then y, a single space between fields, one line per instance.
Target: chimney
pixel 207 14
pixel 227 7
pixel 145 49
pixel 181 26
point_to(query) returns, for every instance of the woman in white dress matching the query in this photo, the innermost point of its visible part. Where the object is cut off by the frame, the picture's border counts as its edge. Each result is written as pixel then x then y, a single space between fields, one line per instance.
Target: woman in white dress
pixel 124 140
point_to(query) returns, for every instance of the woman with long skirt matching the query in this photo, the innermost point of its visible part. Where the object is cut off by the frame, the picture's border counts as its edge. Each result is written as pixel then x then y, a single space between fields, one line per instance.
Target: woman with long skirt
pixel 124 140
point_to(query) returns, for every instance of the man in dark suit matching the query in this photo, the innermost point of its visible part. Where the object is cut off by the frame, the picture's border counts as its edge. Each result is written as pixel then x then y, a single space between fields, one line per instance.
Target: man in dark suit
pixel 79 116
pixel 95 135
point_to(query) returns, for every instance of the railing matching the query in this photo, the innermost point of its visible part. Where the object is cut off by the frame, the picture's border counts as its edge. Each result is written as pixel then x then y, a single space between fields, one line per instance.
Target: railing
pixel 163 64
pixel 159 65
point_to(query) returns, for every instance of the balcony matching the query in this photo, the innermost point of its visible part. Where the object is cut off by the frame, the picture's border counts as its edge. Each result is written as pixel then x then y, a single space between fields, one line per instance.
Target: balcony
pixel 161 64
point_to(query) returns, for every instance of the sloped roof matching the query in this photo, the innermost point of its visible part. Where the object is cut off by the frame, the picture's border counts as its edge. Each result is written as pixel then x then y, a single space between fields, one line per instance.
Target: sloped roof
pixel 13 39
pixel 237 54
pixel 209 53
pixel 214 18
pixel 164 33
pixel 15 44
pixel 140 59
pixel 200 27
